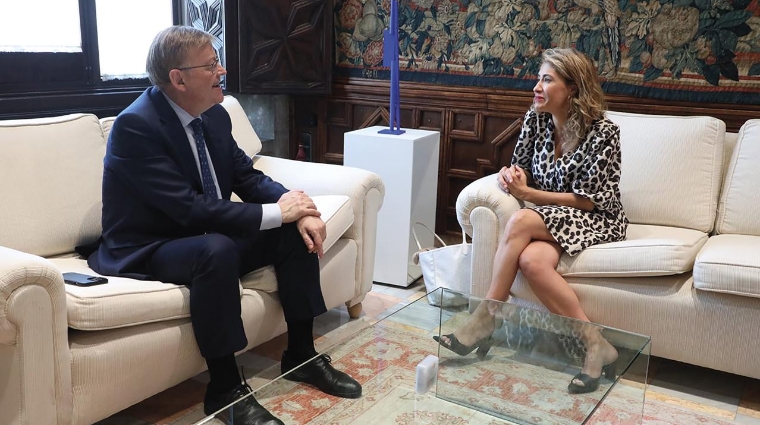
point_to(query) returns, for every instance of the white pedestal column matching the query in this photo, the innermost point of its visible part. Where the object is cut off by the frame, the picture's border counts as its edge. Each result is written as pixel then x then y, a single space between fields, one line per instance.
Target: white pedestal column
pixel 408 165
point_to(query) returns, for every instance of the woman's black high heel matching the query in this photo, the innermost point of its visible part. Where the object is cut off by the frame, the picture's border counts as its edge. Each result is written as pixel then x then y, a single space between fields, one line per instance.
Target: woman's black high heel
pixel 591 384
pixel 483 345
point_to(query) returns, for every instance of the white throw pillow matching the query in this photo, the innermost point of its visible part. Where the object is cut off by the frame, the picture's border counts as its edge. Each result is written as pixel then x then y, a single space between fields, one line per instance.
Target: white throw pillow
pixel 671 169
pixel 740 199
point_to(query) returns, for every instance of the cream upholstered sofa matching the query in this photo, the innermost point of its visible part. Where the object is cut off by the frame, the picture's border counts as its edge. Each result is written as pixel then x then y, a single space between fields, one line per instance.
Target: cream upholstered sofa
pixel 688 274
pixel 73 355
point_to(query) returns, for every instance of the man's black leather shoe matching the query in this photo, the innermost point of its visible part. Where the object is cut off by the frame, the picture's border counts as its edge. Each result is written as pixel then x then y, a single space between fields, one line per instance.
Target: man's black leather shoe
pixel 320 373
pixel 244 412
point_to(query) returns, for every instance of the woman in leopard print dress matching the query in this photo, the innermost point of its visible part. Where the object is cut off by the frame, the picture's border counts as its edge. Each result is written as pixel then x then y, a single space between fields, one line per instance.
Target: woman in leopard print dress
pixel 567 163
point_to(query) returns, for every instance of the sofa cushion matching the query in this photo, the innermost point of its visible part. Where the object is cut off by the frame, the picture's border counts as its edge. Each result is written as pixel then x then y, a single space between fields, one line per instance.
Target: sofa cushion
pixel 740 199
pixel 51 183
pixel 242 130
pixel 671 169
pixel 647 251
pixel 730 264
pixel 121 302
pixel 338 216
pixel 126 302
pixel 106 124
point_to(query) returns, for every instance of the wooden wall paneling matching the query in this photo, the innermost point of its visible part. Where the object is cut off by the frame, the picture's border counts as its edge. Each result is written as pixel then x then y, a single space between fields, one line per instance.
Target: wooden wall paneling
pixel 436 119
pixel 465 124
pixel 367 115
pixel 479 144
pixel 464 135
pixel 470 138
pixel 408 117
pixel 305 126
pixel 330 157
pixel 479 126
pixel 503 140
pixel 339 113
pixel 430 119
pixel 460 141
pixel 447 215
pixel 337 120
pixel 734 115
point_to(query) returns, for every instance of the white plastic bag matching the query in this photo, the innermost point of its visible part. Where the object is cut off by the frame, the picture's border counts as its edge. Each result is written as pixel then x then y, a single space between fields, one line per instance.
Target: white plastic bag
pixel 446 267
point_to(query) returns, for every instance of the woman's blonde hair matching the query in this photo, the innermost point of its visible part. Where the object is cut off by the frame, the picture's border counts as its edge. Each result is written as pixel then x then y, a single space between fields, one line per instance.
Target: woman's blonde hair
pixel 586 102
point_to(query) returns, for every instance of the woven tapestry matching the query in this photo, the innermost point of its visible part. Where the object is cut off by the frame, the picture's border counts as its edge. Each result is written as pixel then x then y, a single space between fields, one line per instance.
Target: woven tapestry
pixel 687 50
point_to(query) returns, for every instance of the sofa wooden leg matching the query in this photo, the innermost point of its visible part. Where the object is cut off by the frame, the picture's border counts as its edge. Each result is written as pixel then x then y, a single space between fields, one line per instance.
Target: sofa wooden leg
pixel 354 311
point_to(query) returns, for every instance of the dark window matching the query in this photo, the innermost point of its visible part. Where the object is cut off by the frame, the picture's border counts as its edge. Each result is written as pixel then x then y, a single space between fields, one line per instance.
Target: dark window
pixel 60 72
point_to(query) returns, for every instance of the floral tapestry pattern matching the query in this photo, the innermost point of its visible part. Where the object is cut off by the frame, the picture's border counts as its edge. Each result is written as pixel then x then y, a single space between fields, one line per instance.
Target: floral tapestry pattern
pixel 692 50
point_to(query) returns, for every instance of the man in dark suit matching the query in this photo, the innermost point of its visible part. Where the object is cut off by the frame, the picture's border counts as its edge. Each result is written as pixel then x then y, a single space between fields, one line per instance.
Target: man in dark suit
pixel 170 167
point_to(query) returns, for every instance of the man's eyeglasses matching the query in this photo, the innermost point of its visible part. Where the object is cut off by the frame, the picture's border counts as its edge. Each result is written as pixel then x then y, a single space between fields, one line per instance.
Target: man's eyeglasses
pixel 213 66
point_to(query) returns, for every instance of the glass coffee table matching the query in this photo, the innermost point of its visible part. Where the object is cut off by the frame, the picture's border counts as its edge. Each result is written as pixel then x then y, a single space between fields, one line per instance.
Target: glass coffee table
pixel 523 378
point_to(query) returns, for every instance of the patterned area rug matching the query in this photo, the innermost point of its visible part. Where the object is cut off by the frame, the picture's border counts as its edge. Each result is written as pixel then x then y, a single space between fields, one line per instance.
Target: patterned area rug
pixel 383 359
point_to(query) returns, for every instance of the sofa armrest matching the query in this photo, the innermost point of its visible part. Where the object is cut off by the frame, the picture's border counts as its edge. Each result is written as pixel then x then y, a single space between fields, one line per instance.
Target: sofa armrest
pixel 34 352
pixel 483 210
pixel 365 189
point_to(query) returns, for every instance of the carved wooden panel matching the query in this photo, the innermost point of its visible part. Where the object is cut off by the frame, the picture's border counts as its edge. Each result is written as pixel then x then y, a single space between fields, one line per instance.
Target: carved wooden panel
pixel 285 46
pixel 479 127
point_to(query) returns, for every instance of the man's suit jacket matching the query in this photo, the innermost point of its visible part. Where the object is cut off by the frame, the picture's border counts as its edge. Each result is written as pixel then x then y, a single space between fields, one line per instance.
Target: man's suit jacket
pixel 152 190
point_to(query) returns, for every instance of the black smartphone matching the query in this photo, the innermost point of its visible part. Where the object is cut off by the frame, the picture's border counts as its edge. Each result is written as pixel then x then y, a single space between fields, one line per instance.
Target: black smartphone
pixel 80 279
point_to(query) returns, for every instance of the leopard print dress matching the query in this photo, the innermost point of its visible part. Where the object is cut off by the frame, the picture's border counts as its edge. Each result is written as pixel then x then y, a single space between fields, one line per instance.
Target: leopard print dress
pixel 592 170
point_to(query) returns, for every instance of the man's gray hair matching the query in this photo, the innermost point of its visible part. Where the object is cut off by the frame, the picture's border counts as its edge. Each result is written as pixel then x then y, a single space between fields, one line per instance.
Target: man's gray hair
pixel 169 51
